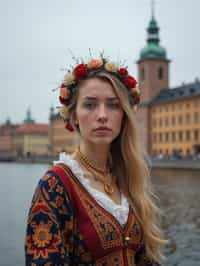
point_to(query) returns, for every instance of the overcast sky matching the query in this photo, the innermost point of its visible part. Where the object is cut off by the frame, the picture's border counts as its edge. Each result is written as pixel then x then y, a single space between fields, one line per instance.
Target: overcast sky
pixel 36 36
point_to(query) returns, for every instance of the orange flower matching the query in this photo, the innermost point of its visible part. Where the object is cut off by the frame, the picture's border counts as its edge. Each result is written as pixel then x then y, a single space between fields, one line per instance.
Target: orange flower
pixel 42 235
pixel 95 63
pixel 135 90
pixel 64 92
pixel 43 241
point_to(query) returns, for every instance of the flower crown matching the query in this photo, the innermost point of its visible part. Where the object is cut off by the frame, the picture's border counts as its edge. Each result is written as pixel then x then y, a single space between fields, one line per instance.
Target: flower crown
pixel 83 71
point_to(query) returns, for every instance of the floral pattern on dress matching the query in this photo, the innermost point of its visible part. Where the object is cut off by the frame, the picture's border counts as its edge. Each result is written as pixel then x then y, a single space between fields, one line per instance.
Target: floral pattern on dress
pixel 53 237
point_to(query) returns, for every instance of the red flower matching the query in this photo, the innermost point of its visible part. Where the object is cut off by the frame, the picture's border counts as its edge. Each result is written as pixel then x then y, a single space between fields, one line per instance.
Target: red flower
pixel 129 82
pixel 62 100
pixel 137 99
pixel 80 71
pixel 63 85
pixel 69 127
pixel 123 71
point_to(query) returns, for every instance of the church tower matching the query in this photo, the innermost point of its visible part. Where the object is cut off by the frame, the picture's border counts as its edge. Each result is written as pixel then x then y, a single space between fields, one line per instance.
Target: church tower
pixel 153 76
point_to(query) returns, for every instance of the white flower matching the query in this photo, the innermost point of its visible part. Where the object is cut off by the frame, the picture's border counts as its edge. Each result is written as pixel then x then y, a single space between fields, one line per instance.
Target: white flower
pixel 64 112
pixel 110 66
pixel 68 79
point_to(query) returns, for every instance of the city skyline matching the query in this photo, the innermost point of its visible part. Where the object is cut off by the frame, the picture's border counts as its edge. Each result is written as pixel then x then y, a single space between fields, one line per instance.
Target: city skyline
pixel 37 37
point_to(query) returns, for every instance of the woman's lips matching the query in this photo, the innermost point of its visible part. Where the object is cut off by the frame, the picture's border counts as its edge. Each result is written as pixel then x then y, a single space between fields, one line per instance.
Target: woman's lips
pixel 103 129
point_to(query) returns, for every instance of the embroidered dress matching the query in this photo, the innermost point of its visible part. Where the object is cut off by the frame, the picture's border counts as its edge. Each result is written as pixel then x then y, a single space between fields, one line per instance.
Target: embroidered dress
pixel 69 223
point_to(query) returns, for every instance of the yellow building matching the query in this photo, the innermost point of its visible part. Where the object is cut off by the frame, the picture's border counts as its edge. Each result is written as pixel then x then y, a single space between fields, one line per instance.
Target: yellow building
pixel 175 117
pixel 32 140
pixel 61 140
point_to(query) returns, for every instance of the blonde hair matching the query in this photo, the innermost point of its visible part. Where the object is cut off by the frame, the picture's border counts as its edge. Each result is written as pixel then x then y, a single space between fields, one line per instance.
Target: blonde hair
pixel 129 162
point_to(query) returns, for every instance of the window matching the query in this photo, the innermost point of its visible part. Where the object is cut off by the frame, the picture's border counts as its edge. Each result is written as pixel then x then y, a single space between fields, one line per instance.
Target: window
pixel 154 137
pixel 166 136
pixel 173 136
pixel 196 103
pixel 160 136
pixel 160 122
pixel 196 134
pixel 160 73
pixel 187 118
pixel 180 106
pixel 180 120
pixel 180 135
pixel 166 121
pixel 188 105
pixel 196 117
pixel 187 135
pixel 142 74
pixel 173 120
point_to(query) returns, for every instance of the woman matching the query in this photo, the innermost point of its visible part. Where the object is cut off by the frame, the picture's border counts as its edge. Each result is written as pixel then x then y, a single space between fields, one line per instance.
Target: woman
pixel 96 206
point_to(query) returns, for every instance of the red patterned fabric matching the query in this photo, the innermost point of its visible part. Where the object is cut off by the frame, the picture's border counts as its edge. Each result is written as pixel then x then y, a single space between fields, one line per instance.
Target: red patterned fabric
pixel 66 226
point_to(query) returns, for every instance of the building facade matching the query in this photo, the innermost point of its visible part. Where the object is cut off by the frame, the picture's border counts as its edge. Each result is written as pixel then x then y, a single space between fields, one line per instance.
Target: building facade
pixel 168 118
pixel 7 145
pixel 31 139
pixel 175 119
pixel 60 139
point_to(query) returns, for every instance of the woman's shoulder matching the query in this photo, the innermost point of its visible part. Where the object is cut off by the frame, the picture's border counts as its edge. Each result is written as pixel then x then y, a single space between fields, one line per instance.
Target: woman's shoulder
pixel 51 196
pixel 57 178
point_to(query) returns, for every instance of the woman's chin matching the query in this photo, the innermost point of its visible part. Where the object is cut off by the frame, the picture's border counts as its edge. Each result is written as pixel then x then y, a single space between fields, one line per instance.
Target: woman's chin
pixel 102 140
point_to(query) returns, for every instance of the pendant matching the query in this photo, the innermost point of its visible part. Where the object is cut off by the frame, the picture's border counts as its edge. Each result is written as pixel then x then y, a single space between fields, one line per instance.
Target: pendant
pixel 108 188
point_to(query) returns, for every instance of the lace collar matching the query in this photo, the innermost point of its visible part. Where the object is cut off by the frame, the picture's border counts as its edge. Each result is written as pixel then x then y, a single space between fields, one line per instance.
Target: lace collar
pixel 120 211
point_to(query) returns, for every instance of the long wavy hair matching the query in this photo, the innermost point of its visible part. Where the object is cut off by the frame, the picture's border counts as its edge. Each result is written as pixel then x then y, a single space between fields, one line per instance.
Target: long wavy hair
pixel 132 171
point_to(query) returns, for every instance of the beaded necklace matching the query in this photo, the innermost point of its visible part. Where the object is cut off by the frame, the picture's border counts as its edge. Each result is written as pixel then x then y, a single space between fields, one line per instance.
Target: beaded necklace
pixel 99 175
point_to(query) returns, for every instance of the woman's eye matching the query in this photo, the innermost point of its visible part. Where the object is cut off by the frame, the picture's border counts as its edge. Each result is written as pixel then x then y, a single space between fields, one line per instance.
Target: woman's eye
pixel 114 105
pixel 89 105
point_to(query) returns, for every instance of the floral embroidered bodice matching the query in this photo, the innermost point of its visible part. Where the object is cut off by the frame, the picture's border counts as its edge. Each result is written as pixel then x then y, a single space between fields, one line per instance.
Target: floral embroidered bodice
pixel 70 223
pixel 120 211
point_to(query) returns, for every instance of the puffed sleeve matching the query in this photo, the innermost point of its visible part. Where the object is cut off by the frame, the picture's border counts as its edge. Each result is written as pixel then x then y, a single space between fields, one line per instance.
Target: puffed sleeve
pixel 49 234
pixel 142 260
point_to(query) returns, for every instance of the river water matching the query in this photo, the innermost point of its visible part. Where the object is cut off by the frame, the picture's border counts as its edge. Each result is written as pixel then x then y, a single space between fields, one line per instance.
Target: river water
pixel 179 194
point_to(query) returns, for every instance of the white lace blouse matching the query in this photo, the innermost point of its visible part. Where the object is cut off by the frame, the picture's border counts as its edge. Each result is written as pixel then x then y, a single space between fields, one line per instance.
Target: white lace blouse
pixel 120 211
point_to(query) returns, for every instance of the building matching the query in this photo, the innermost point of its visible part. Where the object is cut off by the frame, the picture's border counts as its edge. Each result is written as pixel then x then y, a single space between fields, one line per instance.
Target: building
pixel 61 140
pixel 7 145
pixel 168 117
pixel 175 117
pixel 31 139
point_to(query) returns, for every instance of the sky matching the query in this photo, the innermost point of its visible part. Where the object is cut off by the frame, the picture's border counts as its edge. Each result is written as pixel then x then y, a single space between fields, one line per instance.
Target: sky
pixel 36 37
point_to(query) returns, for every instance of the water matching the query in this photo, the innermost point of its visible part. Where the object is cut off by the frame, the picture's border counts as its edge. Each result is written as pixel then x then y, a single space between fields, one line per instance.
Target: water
pixel 179 199
pixel 17 183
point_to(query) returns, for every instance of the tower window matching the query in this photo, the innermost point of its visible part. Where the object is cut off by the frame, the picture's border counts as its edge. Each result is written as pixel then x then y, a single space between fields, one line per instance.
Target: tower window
pixel 142 74
pixel 160 73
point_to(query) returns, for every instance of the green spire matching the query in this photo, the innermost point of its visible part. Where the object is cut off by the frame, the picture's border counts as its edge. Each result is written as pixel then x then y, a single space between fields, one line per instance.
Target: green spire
pixel 28 119
pixel 153 49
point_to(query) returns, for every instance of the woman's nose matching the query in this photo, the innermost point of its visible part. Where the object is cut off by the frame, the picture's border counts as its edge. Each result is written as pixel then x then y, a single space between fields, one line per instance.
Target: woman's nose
pixel 102 112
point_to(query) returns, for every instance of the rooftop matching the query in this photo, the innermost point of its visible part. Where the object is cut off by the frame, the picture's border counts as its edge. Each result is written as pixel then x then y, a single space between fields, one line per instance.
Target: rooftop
pixel 178 93
pixel 33 128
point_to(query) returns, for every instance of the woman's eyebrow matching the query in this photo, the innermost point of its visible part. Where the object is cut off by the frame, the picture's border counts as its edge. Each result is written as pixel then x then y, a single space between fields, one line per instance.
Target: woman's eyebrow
pixel 95 98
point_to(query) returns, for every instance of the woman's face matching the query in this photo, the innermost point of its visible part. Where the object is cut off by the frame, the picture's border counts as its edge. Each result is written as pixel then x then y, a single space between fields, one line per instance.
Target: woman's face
pixel 98 106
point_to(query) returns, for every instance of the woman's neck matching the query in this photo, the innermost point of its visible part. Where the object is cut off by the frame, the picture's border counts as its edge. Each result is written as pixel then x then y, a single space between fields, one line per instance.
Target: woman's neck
pixel 96 154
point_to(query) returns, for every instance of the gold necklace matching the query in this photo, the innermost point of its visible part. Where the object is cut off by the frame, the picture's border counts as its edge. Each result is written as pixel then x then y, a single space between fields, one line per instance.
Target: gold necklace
pixel 99 174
